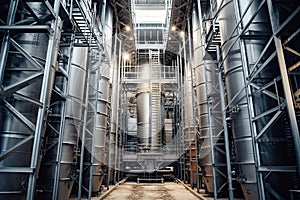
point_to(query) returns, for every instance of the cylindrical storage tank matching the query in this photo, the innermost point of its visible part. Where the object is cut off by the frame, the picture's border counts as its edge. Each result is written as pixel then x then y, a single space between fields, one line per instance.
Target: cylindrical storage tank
pixel 12 131
pixel 235 82
pixel 103 113
pixel 71 132
pixel 143 117
pixel 94 143
pixel 276 147
pixel 189 130
pixel 108 30
pixel 206 84
pixel 234 78
pixel 101 128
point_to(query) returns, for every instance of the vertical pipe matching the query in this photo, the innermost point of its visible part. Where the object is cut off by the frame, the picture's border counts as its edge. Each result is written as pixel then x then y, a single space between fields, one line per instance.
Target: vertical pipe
pixel 116 96
pixel 182 102
pixel 178 120
pixel 226 137
pixel 212 149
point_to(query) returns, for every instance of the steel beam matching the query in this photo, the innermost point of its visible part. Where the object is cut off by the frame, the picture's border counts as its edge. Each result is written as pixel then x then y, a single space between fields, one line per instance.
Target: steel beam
pixel 285 80
pixel 42 114
pixel 6 39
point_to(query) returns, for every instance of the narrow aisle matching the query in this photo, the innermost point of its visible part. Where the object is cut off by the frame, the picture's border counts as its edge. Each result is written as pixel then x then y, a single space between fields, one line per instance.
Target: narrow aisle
pixel 150 191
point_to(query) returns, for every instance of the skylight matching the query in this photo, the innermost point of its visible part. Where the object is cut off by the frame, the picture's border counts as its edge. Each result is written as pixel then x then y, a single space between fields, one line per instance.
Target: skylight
pixel 151 22
pixel 150 16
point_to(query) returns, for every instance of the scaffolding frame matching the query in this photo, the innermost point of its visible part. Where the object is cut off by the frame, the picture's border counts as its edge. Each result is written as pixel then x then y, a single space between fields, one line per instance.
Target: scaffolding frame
pixel 287 102
pixel 43 72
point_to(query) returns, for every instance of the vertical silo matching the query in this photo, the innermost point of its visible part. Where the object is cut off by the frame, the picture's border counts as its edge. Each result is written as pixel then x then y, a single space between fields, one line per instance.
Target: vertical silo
pixel 108 31
pixel 71 133
pixel 94 147
pixel 235 70
pixel 103 108
pixel 275 146
pixel 235 82
pixel 143 110
pixel 189 130
pixel 210 114
pixel 13 185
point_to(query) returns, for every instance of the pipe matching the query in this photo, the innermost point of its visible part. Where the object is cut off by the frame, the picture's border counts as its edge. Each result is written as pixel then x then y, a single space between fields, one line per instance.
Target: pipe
pixel 115 100
pixel 226 136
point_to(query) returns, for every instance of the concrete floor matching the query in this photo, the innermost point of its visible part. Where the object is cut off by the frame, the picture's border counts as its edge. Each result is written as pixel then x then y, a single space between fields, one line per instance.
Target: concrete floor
pixel 150 191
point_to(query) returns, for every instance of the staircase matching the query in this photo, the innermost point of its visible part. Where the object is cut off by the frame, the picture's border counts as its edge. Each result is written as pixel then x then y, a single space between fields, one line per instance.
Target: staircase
pixel 156 137
pixel 83 17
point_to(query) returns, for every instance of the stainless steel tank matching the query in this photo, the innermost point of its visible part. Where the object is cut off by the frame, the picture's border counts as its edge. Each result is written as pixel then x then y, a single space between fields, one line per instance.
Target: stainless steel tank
pixel 97 147
pixel 209 113
pixel 143 109
pixel 108 31
pixel 275 149
pixel 103 113
pixel 143 117
pixel 72 131
pixel 13 185
pixel 241 127
pixel 93 151
pixel 235 82
pixel 189 130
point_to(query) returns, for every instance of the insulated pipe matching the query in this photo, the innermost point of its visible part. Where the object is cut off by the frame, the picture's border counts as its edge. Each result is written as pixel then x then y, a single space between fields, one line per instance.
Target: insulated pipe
pixel 108 30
